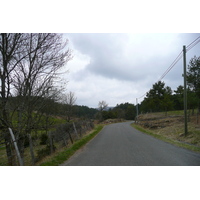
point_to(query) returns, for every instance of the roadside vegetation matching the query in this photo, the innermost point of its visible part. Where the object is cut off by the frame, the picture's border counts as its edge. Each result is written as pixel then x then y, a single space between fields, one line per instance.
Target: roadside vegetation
pixel 37 115
pixel 64 154
pixel 170 128
pixel 44 142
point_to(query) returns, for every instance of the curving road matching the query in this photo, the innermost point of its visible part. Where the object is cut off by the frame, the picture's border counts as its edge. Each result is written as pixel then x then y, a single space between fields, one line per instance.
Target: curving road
pixel 122 145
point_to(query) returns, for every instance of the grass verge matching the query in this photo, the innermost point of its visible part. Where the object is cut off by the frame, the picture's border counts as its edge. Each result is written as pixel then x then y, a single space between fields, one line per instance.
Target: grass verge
pixel 169 140
pixel 64 155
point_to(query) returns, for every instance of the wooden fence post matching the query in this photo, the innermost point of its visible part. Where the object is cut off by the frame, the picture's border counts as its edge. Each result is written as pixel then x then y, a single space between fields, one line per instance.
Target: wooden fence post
pixel 70 137
pixel 75 130
pixel 31 149
pixel 65 142
pixel 51 142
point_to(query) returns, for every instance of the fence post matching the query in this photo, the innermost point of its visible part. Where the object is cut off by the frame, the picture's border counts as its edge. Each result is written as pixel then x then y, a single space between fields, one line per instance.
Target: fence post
pixel 51 142
pixel 81 129
pixel 70 137
pixel 65 142
pixel 16 147
pixel 31 149
pixel 75 130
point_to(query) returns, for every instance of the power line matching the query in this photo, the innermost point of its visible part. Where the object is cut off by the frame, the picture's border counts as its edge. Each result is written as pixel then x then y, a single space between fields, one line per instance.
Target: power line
pixel 172 65
pixel 168 69
pixel 189 47
pixel 142 96
pixel 194 43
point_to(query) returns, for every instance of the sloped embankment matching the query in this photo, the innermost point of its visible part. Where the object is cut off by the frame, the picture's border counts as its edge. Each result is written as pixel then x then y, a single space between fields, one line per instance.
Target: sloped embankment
pixel 172 126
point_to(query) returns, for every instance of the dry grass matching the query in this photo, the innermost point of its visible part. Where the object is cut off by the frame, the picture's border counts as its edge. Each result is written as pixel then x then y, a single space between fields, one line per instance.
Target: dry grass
pixel 172 126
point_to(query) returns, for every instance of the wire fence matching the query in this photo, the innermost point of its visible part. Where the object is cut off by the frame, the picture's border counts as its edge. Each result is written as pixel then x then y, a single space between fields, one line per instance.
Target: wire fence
pixel 33 147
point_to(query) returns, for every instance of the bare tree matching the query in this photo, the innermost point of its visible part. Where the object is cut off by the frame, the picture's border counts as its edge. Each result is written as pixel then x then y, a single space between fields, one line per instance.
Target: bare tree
pixel 69 100
pixel 11 45
pixel 29 72
pixel 102 105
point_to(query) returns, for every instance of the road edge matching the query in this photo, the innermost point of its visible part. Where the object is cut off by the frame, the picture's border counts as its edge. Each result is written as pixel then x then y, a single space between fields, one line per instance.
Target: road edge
pixel 165 139
pixel 62 156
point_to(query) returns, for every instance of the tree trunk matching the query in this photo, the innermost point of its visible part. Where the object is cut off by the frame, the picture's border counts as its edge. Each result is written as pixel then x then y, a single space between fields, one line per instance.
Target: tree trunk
pixel 20 144
pixel 11 158
pixel 16 147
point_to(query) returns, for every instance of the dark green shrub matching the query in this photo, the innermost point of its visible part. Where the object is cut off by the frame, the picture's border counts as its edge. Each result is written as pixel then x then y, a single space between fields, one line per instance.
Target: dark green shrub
pixel 43 139
pixel 41 153
pixel 26 141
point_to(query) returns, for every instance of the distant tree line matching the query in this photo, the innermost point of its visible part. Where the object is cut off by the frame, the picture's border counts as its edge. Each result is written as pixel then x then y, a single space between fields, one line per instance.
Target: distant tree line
pixel 120 111
pixel 69 111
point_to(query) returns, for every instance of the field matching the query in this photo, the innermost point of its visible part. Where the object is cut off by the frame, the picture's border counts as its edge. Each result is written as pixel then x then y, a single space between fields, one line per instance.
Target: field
pixel 171 126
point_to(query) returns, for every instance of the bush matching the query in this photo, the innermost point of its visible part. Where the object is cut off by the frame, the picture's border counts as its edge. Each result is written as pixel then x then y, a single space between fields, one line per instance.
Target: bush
pixel 43 139
pixel 41 153
pixel 26 141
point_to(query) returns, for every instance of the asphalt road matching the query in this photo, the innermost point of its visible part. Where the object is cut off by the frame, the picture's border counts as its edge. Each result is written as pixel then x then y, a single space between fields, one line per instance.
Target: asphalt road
pixel 122 145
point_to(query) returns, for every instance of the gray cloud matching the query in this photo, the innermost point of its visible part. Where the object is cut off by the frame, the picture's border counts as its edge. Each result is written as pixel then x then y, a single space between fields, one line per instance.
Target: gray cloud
pixel 116 56
pixel 129 59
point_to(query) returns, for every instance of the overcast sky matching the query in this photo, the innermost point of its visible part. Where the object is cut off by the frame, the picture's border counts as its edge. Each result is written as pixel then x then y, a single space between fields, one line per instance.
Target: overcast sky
pixel 119 68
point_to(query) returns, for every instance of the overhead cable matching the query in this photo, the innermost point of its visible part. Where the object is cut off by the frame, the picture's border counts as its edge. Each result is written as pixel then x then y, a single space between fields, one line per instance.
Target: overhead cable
pixel 168 69
pixel 142 96
pixel 194 43
pixel 189 47
pixel 172 65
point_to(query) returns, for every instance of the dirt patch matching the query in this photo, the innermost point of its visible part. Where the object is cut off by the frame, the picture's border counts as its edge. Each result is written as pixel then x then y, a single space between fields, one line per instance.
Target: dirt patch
pixel 110 121
pixel 172 126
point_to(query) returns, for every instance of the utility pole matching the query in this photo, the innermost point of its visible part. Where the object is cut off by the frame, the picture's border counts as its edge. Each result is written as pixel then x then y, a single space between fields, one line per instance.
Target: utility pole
pixel 185 89
pixel 136 108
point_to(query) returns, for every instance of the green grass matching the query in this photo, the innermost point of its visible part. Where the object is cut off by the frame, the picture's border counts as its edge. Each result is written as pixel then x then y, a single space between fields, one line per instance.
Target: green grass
pixel 60 157
pixel 174 112
pixel 3 157
pixel 163 138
